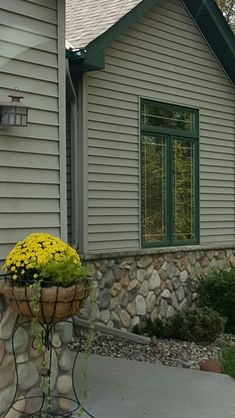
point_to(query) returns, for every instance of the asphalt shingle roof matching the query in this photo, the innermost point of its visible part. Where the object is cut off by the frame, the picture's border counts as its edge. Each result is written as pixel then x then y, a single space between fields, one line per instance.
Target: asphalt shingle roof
pixel 86 20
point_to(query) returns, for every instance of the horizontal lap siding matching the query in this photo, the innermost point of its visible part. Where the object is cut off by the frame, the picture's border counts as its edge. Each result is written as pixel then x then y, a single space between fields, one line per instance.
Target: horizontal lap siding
pixel 163 57
pixel 29 157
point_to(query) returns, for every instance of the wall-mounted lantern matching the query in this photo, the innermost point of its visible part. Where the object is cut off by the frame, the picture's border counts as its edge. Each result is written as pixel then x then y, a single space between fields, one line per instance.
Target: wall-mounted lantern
pixel 14 112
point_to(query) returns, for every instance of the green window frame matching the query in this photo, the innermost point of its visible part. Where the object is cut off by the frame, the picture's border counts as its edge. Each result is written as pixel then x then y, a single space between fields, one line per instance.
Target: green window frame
pixel 169 174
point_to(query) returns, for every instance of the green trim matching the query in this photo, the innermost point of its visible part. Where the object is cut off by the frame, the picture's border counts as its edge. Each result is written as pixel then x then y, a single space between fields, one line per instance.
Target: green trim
pixel 216 30
pixel 206 14
pixel 78 61
pixel 99 44
pixel 170 135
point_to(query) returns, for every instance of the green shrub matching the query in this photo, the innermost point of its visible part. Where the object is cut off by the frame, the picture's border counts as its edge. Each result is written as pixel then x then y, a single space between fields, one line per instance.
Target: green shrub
pixel 202 324
pixel 227 358
pixel 156 328
pixel 137 330
pixel 217 291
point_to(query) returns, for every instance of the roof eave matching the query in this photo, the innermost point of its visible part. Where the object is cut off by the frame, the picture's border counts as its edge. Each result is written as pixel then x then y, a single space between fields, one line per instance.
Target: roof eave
pixel 207 16
pixel 95 50
pixel 216 31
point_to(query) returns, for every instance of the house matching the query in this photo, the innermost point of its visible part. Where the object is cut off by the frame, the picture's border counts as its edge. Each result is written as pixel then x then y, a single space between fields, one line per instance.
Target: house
pixel 32 158
pixel 151 197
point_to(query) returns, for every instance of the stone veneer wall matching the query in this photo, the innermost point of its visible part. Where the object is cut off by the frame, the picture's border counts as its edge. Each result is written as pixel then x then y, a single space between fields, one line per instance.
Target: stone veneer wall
pixel 29 362
pixel 129 289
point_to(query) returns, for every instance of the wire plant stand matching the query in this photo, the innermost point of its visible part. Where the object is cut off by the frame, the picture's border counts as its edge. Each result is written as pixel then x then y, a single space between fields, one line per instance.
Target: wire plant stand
pixel 48 401
pixel 55 306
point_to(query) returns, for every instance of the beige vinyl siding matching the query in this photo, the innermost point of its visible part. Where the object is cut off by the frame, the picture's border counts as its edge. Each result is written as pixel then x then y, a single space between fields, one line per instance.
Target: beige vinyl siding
pixel 163 57
pixel 30 191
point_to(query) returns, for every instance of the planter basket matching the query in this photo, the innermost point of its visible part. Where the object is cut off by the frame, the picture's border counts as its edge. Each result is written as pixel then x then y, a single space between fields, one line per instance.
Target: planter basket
pixel 56 303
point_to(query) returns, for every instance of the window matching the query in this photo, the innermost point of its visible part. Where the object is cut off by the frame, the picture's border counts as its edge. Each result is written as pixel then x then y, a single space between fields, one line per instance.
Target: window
pixel 169 174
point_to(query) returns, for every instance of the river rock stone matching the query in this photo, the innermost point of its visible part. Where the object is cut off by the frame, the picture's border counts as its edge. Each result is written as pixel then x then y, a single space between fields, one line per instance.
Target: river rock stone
pixel 171 269
pixel 105 298
pixel 21 341
pixel 105 316
pixel 232 260
pixel 163 308
pixel 180 293
pixel 64 404
pixel 28 375
pixel 175 283
pixel 170 312
pixel 184 305
pixel 154 281
pixel 123 298
pixel 140 305
pixel 154 314
pixel 124 281
pixel 144 288
pixel 125 319
pixel 113 304
pixel 65 330
pixel 7 323
pixel 64 384
pixel 65 360
pixel 6 398
pixel 166 294
pixel 56 341
pixel 135 321
pixel 107 280
pixel 7 371
pixel 194 296
pixel 116 320
pixel 34 401
pixel 17 409
pixel 150 302
pixel 22 358
pixel 2 350
pixel 149 271
pixel 183 276
pixel 140 275
pixel 131 308
pixel 2 303
pixel 115 289
pixel 132 285
pixel 144 262
pixel 98 275
pixel 174 301
pixel 164 266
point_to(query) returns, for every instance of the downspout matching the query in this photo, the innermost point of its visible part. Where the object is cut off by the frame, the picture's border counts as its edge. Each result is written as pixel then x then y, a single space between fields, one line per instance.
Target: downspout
pixel 74 157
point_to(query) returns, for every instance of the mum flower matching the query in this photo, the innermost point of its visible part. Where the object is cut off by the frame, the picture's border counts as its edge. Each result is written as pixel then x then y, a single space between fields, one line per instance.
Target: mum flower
pixel 38 253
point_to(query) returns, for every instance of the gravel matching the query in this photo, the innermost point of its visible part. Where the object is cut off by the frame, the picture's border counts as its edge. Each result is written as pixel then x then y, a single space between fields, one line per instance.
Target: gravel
pixel 165 352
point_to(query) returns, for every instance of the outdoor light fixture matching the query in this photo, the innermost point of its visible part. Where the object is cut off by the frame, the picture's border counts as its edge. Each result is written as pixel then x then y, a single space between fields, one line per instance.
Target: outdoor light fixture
pixel 14 112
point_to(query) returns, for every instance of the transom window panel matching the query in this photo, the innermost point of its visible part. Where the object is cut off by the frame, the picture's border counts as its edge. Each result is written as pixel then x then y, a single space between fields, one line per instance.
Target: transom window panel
pixel 161 116
pixel 169 175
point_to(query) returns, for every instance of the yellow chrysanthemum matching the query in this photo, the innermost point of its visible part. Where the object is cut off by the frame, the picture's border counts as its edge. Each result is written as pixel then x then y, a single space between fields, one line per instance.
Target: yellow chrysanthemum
pixel 36 251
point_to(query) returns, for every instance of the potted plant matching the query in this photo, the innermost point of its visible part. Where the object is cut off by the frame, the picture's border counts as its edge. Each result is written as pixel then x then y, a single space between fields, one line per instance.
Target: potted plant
pixel 45 279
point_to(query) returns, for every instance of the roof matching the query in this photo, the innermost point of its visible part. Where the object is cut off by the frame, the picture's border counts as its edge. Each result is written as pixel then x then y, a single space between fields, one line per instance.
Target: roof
pixel 91 25
pixel 87 19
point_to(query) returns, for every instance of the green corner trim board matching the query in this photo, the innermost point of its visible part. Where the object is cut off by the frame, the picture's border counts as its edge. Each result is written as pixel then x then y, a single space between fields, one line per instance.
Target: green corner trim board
pixel 206 15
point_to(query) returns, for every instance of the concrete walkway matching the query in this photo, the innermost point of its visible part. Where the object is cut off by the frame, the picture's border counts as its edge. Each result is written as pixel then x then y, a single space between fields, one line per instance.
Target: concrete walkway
pixel 130 389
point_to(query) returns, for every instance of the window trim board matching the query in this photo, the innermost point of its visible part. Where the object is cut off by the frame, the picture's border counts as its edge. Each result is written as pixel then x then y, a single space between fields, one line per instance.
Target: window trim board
pixel 169 197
